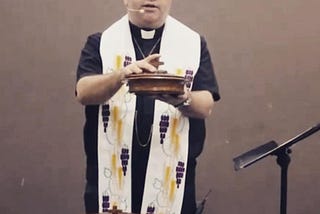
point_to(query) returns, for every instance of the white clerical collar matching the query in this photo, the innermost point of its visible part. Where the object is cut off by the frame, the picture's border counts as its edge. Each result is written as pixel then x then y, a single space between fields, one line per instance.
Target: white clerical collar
pixel 147 34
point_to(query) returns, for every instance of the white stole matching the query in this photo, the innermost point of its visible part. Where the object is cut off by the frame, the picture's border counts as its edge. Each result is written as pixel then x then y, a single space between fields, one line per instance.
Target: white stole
pixel 166 170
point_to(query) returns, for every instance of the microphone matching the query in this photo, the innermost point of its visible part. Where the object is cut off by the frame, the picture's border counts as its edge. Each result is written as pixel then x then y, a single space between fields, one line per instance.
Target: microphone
pixel 135 10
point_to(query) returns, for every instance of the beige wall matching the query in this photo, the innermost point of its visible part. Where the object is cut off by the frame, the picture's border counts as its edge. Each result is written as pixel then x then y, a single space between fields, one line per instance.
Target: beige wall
pixel 266 55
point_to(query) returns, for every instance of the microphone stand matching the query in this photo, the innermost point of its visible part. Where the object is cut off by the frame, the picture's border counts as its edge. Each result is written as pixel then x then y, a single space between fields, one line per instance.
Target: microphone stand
pixel 283 160
pixel 282 152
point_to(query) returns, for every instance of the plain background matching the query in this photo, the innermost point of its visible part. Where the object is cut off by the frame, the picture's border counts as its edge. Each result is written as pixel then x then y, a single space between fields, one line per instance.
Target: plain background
pixel 267 60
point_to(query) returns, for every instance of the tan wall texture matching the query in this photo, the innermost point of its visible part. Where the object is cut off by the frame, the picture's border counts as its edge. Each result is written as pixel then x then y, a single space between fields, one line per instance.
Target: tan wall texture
pixel 266 56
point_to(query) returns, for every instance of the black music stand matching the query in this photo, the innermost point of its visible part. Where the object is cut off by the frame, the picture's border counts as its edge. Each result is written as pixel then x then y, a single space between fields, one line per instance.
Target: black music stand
pixel 282 152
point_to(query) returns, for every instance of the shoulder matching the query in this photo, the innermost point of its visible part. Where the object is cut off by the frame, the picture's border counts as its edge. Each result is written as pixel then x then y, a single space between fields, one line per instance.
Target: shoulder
pixel 94 38
pixel 92 43
pixel 203 42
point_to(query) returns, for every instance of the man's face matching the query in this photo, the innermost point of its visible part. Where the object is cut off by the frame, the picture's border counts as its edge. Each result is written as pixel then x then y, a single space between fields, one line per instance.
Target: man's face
pixel 155 12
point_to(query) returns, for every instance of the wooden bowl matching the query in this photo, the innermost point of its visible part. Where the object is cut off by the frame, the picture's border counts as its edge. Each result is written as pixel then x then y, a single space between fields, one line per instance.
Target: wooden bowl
pixel 147 83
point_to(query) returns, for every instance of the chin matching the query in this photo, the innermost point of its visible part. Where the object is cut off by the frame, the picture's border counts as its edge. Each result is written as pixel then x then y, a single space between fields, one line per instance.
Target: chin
pixel 152 23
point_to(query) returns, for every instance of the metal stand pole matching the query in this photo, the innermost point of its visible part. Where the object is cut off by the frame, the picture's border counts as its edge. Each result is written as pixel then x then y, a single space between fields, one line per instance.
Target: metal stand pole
pixel 283 160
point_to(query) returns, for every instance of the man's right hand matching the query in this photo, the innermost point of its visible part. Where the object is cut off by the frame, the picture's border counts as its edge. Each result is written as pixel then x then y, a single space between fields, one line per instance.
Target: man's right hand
pixel 148 64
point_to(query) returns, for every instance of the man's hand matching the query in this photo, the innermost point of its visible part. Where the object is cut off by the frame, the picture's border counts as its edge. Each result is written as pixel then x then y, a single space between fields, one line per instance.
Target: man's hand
pixel 146 64
pixel 175 100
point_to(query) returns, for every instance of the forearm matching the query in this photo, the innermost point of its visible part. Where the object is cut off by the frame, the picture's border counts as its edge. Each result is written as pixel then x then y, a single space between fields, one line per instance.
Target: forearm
pixel 201 105
pixel 97 89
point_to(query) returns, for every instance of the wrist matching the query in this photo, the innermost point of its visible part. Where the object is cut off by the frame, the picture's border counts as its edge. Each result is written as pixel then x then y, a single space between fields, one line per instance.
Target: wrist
pixel 121 76
pixel 184 103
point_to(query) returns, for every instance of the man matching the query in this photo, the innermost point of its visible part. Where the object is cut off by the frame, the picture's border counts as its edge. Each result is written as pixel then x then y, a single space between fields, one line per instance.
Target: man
pixel 141 150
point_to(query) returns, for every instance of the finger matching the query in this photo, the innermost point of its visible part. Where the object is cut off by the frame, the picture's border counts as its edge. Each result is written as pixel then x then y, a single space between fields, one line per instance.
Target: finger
pixel 152 57
pixel 165 96
pixel 155 60
pixel 132 68
pixel 147 66
pixel 159 97
pixel 135 69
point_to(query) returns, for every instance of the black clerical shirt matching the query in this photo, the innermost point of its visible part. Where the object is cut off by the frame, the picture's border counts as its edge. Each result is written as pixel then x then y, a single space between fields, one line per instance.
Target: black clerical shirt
pixel 91 63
